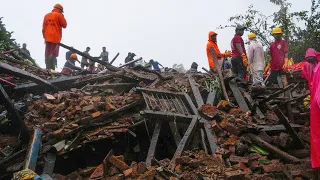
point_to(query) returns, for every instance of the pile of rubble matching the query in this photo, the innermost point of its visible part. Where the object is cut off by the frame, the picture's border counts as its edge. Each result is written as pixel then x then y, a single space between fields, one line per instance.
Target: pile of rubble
pixel 132 123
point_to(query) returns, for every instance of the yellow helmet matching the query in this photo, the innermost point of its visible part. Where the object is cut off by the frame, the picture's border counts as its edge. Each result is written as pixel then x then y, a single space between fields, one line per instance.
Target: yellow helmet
pixel 276 31
pixel 252 35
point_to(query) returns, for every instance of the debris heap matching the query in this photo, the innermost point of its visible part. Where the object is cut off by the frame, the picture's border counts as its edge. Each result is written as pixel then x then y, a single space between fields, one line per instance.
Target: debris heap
pixel 132 123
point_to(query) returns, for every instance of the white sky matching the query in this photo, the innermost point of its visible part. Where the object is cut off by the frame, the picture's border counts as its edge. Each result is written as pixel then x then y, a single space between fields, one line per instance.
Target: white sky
pixel 169 31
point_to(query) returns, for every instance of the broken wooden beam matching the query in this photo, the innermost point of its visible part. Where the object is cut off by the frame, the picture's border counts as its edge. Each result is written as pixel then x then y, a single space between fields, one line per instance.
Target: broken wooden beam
pixel 281 154
pixel 276 128
pixel 130 62
pixel 211 99
pixel 238 95
pixel 153 143
pixel 195 90
pixel 218 68
pixel 111 62
pixel 13 71
pixel 31 158
pixel 167 116
pixel 175 133
pixel 269 97
pixel 211 137
pixel 203 140
pixel 251 104
pixel 286 124
pixel 183 143
pixel 106 64
pixel 14 115
pixel 287 94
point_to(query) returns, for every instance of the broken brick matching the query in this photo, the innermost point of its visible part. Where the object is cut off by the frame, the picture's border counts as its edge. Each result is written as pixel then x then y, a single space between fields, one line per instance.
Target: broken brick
pixel 237 159
pixel 282 140
pixel 231 141
pixel 127 172
pixel 110 107
pixel 142 167
pixel 234 175
pixel 254 156
pixel 113 171
pixel 96 114
pixel 78 108
pixel 216 128
pixel 273 167
pixel 49 96
pixel 117 163
pixel 88 108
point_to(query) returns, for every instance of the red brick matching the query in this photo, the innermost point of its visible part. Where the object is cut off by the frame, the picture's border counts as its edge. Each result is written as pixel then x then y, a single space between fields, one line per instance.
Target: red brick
pixel 78 108
pixel 117 163
pixel 88 108
pixel 231 141
pixel 127 172
pixel 142 167
pixel 96 114
pixel 274 167
pixel 237 159
pixel 48 96
pixel 254 156
pixel 234 175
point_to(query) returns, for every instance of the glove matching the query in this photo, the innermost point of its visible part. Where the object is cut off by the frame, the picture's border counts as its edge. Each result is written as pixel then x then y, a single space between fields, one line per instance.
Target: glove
pixel 227 53
pixel 267 68
pixel 285 65
pixel 244 59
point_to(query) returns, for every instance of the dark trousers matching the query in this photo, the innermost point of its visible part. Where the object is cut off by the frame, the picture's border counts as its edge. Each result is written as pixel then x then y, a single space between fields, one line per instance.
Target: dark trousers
pixel 238 68
pixel 51 61
pixel 273 76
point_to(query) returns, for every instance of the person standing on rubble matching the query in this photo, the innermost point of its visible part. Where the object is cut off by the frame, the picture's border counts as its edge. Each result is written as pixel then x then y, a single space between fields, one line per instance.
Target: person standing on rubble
pixel 194 68
pixel 256 60
pixel 155 65
pixel 315 110
pixel 312 58
pixel 84 61
pixel 25 52
pixel 52 33
pixel 70 66
pixel 104 55
pixel 212 43
pixel 239 59
pixel 279 57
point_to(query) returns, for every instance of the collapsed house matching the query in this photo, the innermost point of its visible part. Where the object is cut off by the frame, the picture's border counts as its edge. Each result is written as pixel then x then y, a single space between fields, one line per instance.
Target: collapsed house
pixel 133 123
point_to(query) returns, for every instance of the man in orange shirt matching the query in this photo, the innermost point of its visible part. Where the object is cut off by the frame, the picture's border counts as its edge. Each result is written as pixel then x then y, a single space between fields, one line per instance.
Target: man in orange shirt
pixel 212 42
pixel 53 23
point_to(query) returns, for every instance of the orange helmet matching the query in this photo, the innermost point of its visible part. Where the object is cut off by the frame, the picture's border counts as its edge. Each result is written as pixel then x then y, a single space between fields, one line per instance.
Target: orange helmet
pixel 58 6
pixel 74 56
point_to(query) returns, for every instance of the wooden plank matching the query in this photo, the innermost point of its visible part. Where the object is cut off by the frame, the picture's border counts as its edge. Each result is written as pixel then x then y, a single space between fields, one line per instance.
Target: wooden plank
pixel 218 68
pixel 250 100
pixel 212 138
pixel 203 138
pixel 13 114
pixel 167 116
pixel 195 90
pixel 114 58
pixel 153 143
pixel 106 64
pixel 14 71
pixel 281 154
pixel 287 94
pixel 211 98
pixel 286 124
pixel 276 128
pixel 175 133
pixel 183 143
pixel 238 95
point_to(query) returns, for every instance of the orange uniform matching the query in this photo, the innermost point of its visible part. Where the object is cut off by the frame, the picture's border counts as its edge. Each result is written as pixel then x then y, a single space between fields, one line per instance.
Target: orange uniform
pixel 216 50
pixel 52 26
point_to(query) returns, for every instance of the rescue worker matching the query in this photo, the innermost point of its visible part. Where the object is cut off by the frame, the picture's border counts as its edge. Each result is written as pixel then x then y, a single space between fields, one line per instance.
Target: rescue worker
pixel 68 54
pixel 315 114
pixel 70 66
pixel 312 58
pixel 84 61
pixel 52 33
pixel 256 60
pixel 155 65
pixel 25 52
pixel 239 59
pixel 279 57
pixel 212 42
pixel 104 55
pixel 194 68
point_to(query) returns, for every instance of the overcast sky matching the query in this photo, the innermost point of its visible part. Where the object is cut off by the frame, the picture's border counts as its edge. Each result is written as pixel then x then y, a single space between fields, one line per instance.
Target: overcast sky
pixel 169 31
